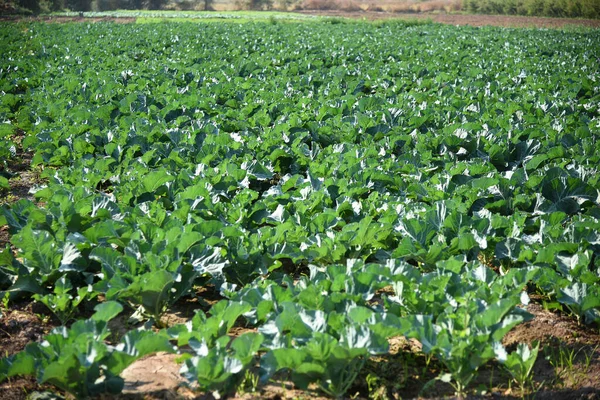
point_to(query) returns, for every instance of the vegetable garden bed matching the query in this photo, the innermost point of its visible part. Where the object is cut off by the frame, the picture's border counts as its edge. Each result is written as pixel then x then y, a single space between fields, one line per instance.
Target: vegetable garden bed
pixel 299 209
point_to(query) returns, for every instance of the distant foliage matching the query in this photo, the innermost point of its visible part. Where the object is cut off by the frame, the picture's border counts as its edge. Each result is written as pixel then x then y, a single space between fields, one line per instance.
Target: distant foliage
pixel 79 5
pixel 547 8
pixel 256 4
pixel 46 6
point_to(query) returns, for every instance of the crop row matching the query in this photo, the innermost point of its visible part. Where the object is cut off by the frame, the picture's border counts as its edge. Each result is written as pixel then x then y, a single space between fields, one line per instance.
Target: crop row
pixel 338 185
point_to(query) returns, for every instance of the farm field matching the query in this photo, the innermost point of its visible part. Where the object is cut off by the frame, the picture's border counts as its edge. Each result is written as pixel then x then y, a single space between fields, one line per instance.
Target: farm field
pixel 144 16
pixel 299 209
pixel 509 21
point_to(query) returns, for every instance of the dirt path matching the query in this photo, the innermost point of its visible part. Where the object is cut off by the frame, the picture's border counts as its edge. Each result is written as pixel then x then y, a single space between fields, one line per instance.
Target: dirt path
pixel 466 19
pixel 62 20
pixel 451 19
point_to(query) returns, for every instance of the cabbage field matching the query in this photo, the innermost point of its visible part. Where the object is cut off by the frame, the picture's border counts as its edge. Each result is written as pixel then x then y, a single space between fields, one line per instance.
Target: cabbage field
pixel 311 194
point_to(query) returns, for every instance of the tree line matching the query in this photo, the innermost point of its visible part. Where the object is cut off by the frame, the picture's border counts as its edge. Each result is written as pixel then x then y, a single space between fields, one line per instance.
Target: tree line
pixel 46 6
pixel 43 6
pixel 545 8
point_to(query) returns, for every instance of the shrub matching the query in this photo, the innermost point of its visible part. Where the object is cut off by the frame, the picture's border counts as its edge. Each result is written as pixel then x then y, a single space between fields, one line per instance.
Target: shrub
pixel 348 5
pixel 547 8
pixel 318 5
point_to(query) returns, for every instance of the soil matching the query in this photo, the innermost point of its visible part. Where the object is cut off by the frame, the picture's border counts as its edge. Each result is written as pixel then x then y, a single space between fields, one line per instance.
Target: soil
pixel 20 325
pixel 560 338
pixel 62 20
pixel 547 326
pixel 156 376
pixel 4 237
pixel 464 19
pixel 22 181
pixel 511 21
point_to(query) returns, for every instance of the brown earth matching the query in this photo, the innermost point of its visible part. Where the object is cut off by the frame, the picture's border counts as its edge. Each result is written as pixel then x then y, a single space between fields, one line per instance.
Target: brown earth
pixel 465 19
pixel 23 180
pixel 20 325
pixel 511 21
pixel 21 183
pixel 4 237
pixel 62 20
pixel 156 375
pixel 569 355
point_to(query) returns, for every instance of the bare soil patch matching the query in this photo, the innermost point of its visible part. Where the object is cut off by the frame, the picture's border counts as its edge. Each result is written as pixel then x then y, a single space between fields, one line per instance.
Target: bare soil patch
pixel 62 20
pixel 156 376
pixel 4 237
pixel 24 178
pixel 22 181
pixel 509 21
pixel 464 19
pixel 20 325
pixel 569 357
pixel 547 326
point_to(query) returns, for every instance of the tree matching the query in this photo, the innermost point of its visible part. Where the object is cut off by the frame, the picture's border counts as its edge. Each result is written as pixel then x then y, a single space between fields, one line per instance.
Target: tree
pixel 33 5
pixel 108 5
pixel 131 4
pixel 79 5
pixel 155 4
pixel 260 4
pixel 56 5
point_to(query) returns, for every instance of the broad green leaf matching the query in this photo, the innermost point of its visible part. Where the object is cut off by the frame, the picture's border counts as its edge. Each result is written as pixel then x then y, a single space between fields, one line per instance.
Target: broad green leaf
pixel 107 311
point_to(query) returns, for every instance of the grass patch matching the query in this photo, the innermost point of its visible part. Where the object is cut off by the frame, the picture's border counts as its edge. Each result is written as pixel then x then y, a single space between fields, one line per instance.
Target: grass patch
pixel 157 15
pixel 402 22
